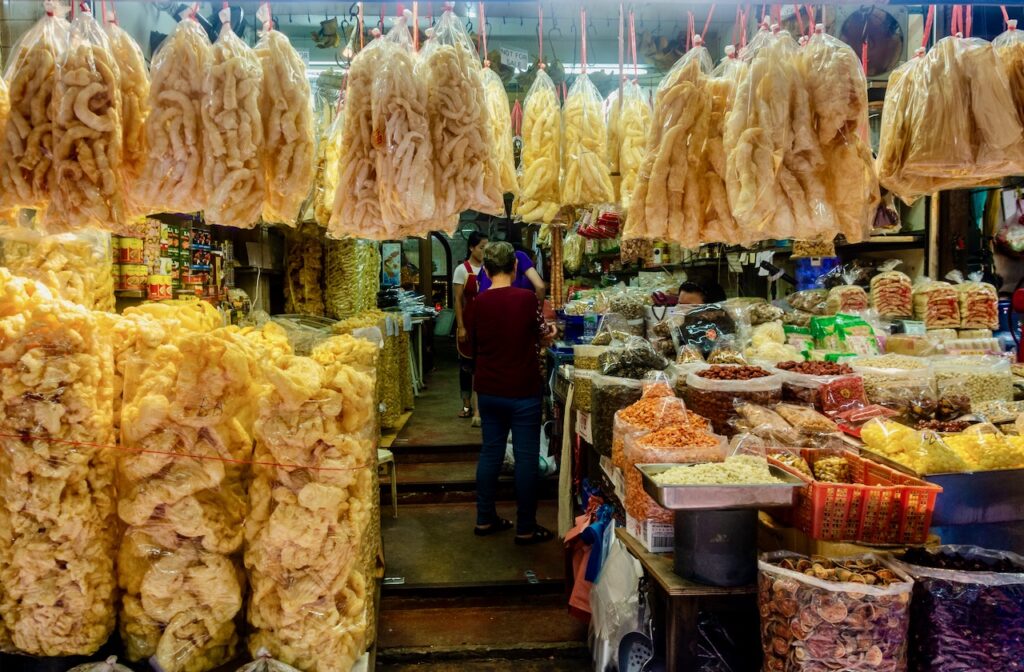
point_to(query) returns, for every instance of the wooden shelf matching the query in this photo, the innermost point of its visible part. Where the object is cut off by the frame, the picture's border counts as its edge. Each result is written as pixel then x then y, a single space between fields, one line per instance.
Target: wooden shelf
pixel 388 436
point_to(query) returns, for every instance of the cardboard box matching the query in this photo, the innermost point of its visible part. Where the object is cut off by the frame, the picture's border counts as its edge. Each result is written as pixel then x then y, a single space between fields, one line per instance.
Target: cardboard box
pixel 655 537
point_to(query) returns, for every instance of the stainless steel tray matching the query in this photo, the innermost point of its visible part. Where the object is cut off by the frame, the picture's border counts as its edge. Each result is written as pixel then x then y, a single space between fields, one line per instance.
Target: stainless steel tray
pixel 697 497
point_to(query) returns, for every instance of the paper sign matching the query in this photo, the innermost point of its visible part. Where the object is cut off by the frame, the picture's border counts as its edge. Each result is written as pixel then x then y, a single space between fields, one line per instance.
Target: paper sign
pixel 516 58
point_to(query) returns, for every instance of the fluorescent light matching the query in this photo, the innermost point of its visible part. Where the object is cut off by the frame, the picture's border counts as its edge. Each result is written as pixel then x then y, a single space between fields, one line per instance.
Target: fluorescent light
pixel 610 68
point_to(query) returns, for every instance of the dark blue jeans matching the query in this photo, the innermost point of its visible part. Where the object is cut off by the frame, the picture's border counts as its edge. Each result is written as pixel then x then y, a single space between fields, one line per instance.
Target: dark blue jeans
pixel 499 416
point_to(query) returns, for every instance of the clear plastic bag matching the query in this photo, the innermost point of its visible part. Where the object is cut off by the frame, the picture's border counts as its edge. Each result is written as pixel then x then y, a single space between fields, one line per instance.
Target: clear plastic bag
pixel 805 419
pixel 328 157
pixel 56 474
pixel 585 180
pixel 233 139
pixel 174 176
pixel 813 301
pixel 499 121
pixel 892 294
pixel 401 136
pixel 984 378
pixel 1010 48
pixel 87 133
pixel 609 395
pixel 108 665
pixel 77 267
pixel 464 164
pixel 651 412
pixel 133 82
pixel 702 326
pixel 286 111
pixel 264 662
pixel 27 174
pixel 979 304
pixel 304 266
pixel 967 607
pixel 636 357
pixel 847 298
pixel 633 124
pixel 318 414
pixel 936 304
pixel 713 396
pixel 539 179
pixel 761 421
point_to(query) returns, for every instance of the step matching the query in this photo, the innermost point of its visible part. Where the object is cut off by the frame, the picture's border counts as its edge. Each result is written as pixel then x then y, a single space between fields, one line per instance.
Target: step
pixel 451 482
pixel 545 660
pixel 509 626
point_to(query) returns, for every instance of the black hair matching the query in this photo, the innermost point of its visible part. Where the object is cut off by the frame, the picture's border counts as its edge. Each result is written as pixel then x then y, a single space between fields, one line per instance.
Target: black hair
pixel 692 288
pixel 475 238
pixel 713 292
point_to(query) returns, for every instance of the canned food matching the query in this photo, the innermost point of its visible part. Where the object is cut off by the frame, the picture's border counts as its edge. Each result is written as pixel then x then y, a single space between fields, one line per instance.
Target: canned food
pixel 159 287
pixel 133 277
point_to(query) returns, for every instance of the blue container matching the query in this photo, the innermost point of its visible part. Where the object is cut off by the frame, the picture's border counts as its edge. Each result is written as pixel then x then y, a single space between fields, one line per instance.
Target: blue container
pixel 810 271
pixel 573 328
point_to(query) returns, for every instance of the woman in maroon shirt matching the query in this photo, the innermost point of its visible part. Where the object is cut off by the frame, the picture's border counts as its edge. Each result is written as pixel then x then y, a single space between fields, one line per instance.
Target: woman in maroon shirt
pixel 507 330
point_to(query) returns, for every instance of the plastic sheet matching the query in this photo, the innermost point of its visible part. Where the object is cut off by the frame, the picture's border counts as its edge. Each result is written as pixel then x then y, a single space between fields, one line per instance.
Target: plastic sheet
pixel 586 180
pixel 173 180
pixel 133 83
pixel 77 267
pixel 310 593
pixel 57 525
pixel 539 180
pixel 27 173
pixel 287 115
pixel 464 164
pixel 233 140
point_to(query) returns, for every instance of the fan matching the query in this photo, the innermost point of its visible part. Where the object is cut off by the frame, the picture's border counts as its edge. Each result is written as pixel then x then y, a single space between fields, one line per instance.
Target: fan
pixel 885 34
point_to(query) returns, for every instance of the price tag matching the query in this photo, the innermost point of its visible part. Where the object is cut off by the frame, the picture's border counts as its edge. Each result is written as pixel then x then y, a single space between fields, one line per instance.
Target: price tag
pixel 516 58
pixel 583 426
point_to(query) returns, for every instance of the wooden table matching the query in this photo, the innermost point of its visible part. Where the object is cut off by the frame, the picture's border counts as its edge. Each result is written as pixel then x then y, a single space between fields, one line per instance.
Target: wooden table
pixel 681 600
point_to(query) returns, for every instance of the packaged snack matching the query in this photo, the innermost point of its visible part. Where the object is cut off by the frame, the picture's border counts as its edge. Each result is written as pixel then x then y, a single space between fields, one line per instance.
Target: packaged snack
pixel 805 419
pixel 937 304
pixel 892 292
pixel 713 392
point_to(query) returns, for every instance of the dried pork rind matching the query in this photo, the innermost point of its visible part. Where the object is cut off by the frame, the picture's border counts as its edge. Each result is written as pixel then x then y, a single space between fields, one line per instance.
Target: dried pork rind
pixel 304 272
pixel 632 123
pixel 585 176
pixel 499 119
pixel 57 524
pixel 133 83
pixel 286 111
pixel 540 163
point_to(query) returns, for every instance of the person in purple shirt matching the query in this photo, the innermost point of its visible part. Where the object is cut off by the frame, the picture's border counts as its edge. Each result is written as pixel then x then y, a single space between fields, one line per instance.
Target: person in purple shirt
pixel 527 277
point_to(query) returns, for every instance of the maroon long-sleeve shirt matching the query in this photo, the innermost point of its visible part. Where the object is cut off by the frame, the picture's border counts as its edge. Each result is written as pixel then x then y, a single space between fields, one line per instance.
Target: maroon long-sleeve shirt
pixel 505 326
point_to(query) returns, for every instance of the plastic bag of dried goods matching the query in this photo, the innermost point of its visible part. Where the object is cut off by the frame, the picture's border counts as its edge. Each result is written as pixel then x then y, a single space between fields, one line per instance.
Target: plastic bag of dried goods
pixel 286 111
pixel 892 293
pixel 401 135
pixel 134 85
pixel 1009 47
pixel 326 183
pixel 464 163
pixel 936 304
pixel 173 180
pixel 233 132
pixel 26 171
pixel 650 413
pixel 632 124
pixel 540 164
pixel 108 665
pixel 586 180
pixel 846 298
pixel 356 209
pixel 499 120
pixel 979 304
pixel 87 133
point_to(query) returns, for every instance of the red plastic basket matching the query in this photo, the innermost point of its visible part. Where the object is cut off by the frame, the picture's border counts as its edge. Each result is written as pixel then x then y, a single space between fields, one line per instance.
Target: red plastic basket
pixel 882 506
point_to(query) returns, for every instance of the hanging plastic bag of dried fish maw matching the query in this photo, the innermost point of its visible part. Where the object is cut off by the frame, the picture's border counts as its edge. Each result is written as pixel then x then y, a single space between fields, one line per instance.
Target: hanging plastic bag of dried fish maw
pixel 326 181
pixel 499 118
pixel 719 224
pixel 540 163
pixel 134 86
pixel 182 499
pixel 466 172
pixel 632 124
pixel 401 136
pixel 26 152
pixel 233 132
pixel 74 266
pixel 585 172
pixel 1010 48
pixel 766 195
pixel 288 139
pixel 57 522
pixel 304 266
pixel 309 519
pixel 356 211
pixel 173 178
pixel 839 107
pixel 902 99
pixel 352 277
pixel 666 201
pixel 87 189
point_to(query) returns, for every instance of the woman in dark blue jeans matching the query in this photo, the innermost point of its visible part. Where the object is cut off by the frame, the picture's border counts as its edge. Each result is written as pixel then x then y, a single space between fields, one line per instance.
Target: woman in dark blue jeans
pixel 506 329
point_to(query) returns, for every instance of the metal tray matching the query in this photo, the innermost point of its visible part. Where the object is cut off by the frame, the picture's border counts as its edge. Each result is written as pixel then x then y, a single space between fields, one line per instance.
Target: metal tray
pixel 970 497
pixel 697 497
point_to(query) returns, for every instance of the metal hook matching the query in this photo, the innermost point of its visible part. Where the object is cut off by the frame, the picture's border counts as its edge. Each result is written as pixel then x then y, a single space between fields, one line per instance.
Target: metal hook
pixel 353 9
pixel 469 25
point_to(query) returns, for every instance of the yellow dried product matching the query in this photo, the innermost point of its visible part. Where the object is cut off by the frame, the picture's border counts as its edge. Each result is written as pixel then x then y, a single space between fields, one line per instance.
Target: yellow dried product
pixel 57 525
pixel 402 138
pixel 633 120
pixel 199 316
pixel 356 207
pixel 304 271
pixel 75 266
pixel 88 189
pixel 352 277
pixel 997 131
pixel 499 120
pixel 133 84
pixel 328 151
pixel 309 519
pixel 359 353
pixel 1010 48
pixel 26 167
pixel 586 180
pixel 267 343
pixel 540 162
pixel 233 134
pixel 173 180
pixel 466 175
pixel 288 139
pixel 182 498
